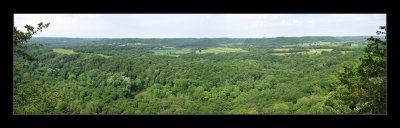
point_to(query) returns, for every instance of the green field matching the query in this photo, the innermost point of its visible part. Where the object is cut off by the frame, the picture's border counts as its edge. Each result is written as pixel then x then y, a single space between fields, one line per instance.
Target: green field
pixel 282 49
pixel 105 56
pixel 330 43
pixel 71 52
pixel 344 52
pixel 354 45
pixel 318 51
pixel 172 52
pixel 221 50
pixel 310 52
pixel 64 51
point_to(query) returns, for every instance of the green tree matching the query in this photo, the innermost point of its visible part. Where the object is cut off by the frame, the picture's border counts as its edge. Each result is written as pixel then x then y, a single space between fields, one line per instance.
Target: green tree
pixel 364 85
pixel 21 38
pixel 372 71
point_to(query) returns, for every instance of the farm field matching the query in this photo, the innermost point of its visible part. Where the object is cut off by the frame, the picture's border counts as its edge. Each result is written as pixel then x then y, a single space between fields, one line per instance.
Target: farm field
pixel 282 49
pixel 71 52
pixel 64 51
pixel 318 51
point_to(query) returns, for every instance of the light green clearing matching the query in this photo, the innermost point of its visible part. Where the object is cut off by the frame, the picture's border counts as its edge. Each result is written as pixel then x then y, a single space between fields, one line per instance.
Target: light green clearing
pixel 353 45
pixel 172 52
pixel 64 51
pixel 70 52
pixel 282 49
pixel 329 43
pixel 318 51
pixel 310 52
pixel 221 50
pixel 105 56
pixel 344 52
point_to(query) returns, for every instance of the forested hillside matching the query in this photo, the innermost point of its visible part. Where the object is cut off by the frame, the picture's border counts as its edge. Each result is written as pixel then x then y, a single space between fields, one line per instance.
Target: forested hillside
pixel 284 75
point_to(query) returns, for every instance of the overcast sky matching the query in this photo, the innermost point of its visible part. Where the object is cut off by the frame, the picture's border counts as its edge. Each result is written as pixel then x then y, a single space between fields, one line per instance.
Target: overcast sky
pixel 202 25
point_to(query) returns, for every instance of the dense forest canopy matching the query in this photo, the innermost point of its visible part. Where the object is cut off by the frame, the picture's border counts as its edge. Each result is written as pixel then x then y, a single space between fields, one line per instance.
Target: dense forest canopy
pixel 282 75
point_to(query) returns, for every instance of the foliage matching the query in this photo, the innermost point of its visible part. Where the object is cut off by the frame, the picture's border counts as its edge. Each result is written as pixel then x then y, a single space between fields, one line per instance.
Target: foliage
pixel 363 86
pixel 21 38
pixel 135 81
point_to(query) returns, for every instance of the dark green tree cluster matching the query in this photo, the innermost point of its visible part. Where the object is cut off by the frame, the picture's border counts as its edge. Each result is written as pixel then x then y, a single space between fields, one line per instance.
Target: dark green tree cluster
pixel 362 85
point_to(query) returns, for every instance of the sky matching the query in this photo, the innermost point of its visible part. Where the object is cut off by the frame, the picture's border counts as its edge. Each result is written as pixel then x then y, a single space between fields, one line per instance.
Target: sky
pixel 202 25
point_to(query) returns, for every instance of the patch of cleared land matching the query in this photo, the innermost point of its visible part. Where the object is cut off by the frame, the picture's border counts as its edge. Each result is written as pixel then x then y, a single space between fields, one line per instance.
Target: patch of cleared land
pixel 221 50
pixel 64 51
pixel 344 52
pixel 330 43
pixel 318 51
pixel 310 52
pixel 354 45
pixel 282 49
pixel 70 52
pixel 105 56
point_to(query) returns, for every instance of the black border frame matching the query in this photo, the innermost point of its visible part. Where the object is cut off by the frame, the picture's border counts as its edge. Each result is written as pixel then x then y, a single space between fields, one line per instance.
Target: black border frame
pixel 201 120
